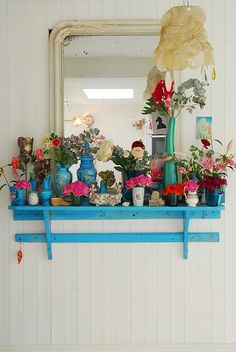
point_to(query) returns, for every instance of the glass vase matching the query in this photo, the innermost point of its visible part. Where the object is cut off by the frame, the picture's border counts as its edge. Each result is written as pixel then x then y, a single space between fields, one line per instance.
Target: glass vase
pixel 170 168
pixel 212 199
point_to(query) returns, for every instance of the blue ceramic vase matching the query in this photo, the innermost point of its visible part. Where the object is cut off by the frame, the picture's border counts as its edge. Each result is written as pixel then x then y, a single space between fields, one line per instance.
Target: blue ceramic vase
pixel 103 187
pixel 20 197
pixel 62 178
pixel 212 199
pixel 13 195
pixel 170 168
pixel 46 191
pixel 87 172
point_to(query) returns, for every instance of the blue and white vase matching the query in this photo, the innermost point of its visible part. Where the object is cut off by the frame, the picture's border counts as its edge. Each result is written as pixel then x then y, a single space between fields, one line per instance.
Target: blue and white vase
pixel 62 178
pixel 20 196
pixel 87 172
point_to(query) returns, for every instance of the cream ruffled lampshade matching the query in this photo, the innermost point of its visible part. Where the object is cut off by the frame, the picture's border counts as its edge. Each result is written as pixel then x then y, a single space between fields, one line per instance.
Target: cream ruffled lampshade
pixel 183 41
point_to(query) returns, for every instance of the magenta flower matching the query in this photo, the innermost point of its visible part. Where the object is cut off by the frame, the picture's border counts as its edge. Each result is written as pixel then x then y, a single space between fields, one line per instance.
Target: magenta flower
pixel 141 181
pixel 77 189
pixel 22 184
pixel 191 185
pixel 207 163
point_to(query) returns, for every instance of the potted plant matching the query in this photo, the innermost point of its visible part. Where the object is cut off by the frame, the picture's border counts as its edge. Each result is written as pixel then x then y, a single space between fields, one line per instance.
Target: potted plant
pixel 75 190
pixel 138 184
pixel 107 180
pixel 59 150
pixel 169 103
pixel 171 193
pixel 191 187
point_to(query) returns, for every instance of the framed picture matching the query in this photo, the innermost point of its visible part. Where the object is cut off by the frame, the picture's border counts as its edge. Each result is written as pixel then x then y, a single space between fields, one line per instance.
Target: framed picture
pixel 203 127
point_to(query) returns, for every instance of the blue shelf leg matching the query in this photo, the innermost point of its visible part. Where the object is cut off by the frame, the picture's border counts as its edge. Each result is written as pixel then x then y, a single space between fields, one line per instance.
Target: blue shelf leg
pixel 47 224
pixel 186 235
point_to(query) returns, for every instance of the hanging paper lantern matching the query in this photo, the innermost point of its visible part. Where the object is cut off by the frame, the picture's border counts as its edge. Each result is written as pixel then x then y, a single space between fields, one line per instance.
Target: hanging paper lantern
pixel 183 40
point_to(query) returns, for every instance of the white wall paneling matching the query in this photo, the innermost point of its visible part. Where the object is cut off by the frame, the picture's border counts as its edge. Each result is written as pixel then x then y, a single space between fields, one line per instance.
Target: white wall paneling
pixel 117 297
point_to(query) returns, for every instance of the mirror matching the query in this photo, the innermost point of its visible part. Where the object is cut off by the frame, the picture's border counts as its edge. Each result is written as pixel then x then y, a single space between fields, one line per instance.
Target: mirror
pixel 101 55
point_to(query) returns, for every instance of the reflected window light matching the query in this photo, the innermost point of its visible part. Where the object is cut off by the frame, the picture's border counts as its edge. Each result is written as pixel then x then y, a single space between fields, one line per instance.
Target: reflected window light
pixel 77 121
pixel 109 93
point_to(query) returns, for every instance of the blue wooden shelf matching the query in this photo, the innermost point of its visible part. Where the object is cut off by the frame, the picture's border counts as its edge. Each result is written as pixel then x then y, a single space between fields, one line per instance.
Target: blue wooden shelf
pixel 24 213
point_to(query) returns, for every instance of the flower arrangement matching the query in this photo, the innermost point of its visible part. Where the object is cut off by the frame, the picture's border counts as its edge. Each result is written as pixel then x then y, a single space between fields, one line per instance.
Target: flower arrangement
pixel 170 103
pixel 138 181
pixel 75 190
pixel 191 186
pixel 22 184
pixel 211 183
pixel 59 150
pixel 176 189
pixel 107 177
pixel 136 159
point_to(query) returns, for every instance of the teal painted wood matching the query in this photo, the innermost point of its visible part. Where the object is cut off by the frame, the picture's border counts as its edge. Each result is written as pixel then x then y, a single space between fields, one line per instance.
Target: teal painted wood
pixel 186 234
pixel 116 213
pixel 47 224
pixel 125 237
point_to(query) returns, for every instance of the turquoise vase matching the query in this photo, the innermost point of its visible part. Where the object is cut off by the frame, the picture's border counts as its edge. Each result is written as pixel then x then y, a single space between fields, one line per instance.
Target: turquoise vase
pixel 87 172
pixel 46 191
pixel 62 178
pixel 170 168
pixel 212 199
pixel 13 195
pixel 20 197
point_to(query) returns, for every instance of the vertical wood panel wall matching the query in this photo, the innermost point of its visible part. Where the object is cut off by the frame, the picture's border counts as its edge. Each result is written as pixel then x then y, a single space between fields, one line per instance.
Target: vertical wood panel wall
pixel 110 293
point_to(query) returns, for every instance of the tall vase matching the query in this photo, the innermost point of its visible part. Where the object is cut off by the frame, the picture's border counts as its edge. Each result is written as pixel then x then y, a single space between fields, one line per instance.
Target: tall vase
pixel 62 178
pixel 87 172
pixel 170 168
pixel 212 199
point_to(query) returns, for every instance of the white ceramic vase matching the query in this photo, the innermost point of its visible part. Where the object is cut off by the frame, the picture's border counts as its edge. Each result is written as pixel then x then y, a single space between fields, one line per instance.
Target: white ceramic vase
pixel 138 196
pixel 191 199
pixel 33 198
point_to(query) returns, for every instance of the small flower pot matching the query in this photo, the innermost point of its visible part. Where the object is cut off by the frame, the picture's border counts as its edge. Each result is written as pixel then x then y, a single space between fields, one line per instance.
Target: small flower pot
pixel 138 196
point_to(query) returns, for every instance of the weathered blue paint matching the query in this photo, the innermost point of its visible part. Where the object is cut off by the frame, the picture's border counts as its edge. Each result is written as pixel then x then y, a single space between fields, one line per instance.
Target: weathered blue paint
pixel 117 213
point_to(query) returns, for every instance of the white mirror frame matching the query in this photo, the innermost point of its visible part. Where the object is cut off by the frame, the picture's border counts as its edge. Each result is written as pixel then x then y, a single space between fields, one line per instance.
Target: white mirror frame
pixel 64 29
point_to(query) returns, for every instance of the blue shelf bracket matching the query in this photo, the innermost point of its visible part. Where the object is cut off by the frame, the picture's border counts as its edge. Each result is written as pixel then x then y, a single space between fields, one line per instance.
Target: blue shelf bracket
pixel 186 220
pixel 47 224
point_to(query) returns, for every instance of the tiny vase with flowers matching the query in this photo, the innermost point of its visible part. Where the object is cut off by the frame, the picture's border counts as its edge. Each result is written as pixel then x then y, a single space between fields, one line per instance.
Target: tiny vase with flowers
pixel 75 191
pixel 138 184
pixel 20 187
pixel 214 187
pixel 171 193
pixel 191 196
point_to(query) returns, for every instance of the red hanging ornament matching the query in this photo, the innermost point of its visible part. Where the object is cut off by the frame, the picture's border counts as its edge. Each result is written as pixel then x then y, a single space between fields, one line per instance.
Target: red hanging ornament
pixel 19 255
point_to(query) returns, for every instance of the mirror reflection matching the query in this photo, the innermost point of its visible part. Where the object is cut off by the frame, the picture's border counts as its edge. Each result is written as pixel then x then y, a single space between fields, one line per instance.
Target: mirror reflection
pixel 105 78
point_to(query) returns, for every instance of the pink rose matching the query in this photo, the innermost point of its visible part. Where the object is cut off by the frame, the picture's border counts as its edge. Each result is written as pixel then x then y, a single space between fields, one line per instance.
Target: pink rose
pixel 191 185
pixel 15 163
pixel 22 184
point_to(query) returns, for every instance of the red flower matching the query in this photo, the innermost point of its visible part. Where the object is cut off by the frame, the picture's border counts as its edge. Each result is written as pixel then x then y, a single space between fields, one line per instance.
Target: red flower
pixel 15 163
pixel 56 142
pixel 41 176
pixel 138 144
pixel 205 143
pixel 39 154
pixel 161 94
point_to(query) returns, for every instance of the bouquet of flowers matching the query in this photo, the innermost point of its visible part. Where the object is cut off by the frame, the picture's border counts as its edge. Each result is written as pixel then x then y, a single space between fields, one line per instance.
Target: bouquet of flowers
pixel 75 190
pixel 176 189
pixel 138 181
pixel 136 159
pixel 22 184
pixel 59 150
pixel 169 102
